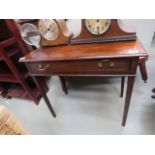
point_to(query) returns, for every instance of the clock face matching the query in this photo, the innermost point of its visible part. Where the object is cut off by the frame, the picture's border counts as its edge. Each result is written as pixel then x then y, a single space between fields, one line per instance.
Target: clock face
pixel 97 26
pixel 48 29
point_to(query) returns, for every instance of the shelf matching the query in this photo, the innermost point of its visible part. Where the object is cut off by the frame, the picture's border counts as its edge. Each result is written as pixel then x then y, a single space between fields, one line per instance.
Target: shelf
pixel 19 92
pixel 8 77
pixel 8 42
pixel 23 21
pixel 11 52
pixel 14 77
pixel 4 31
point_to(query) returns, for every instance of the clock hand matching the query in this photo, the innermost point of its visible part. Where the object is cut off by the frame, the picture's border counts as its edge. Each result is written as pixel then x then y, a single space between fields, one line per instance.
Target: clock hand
pixel 98 30
pixel 50 26
pixel 48 29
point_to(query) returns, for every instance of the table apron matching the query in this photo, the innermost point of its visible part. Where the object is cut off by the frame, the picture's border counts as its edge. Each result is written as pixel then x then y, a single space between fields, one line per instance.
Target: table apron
pixel 100 67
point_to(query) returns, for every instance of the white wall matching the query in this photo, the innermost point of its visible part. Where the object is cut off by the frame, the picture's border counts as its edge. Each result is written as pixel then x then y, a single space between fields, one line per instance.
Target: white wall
pixel 144 27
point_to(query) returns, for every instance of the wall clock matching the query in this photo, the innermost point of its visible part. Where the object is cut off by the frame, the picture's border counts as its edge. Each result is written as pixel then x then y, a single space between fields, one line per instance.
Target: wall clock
pixel 103 30
pixel 53 32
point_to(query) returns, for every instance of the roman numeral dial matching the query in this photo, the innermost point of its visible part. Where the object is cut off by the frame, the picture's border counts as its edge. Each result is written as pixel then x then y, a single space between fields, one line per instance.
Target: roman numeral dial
pixel 97 26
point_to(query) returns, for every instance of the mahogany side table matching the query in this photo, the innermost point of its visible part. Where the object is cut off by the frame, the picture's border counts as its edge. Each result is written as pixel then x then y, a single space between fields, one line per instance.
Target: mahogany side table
pixel 97 59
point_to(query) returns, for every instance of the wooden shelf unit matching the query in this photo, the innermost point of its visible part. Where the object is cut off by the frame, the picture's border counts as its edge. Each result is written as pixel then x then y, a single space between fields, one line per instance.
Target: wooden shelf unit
pixel 14 75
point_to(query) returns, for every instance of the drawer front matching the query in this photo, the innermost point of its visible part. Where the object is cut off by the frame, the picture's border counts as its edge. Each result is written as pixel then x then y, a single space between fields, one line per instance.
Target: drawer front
pixel 102 66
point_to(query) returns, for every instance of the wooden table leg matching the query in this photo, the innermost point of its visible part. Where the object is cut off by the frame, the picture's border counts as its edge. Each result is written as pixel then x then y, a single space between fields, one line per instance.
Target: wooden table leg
pixel 122 85
pixel 142 67
pixel 43 93
pixel 130 84
pixel 63 84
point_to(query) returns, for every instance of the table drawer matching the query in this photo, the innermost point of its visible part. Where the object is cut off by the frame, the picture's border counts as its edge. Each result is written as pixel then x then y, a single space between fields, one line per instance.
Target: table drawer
pixel 101 66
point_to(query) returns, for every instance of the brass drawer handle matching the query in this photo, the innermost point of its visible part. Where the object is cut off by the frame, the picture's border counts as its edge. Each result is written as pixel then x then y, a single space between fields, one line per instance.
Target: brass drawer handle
pixel 42 67
pixel 111 64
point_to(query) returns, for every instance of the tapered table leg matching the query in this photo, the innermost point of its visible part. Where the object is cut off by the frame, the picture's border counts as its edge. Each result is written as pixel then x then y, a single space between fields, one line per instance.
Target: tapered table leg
pixel 43 93
pixel 122 85
pixel 130 84
pixel 63 84
pixel 143 72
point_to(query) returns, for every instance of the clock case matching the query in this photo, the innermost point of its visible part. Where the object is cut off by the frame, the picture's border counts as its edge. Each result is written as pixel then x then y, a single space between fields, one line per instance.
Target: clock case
pixel 63 33
pixel 116 32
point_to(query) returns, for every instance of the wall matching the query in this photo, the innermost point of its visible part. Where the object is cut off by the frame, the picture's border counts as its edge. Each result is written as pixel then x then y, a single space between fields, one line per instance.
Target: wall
pixel 144 27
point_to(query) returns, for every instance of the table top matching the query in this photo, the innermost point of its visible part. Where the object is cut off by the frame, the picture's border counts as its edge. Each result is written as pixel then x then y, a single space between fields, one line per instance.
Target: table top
pixel 87 51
